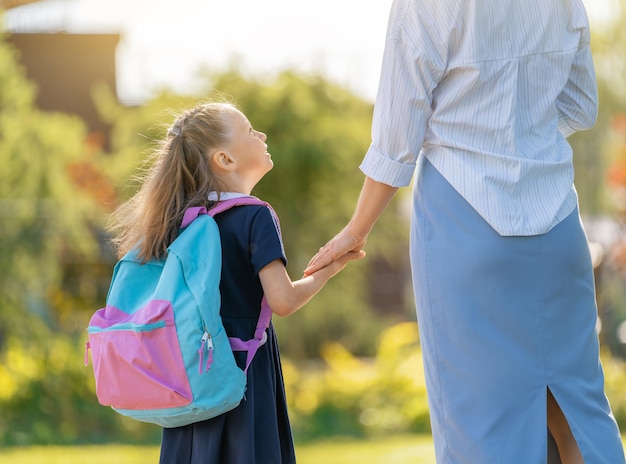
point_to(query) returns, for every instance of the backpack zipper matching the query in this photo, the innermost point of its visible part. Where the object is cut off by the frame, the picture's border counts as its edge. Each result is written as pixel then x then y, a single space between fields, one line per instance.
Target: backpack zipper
pixel 207 341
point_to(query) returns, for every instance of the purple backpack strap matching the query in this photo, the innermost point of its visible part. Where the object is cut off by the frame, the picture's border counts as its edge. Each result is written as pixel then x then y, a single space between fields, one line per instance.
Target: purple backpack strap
pixel 192 213
pixel 260 336
pixel 239 201
pixel 265 316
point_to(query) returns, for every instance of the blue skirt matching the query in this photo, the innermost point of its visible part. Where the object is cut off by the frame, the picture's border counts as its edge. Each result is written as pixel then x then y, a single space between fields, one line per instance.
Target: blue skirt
pixel 502 320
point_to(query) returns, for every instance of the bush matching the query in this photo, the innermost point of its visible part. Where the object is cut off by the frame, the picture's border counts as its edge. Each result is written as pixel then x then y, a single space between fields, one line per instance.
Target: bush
pixel 358 397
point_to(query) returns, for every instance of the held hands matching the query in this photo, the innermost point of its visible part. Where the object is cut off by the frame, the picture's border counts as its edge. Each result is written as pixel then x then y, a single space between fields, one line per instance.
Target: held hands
pixel 344 247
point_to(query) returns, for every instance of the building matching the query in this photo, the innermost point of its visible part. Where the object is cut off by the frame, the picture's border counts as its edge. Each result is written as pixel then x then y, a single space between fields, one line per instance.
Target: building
pixel 64 66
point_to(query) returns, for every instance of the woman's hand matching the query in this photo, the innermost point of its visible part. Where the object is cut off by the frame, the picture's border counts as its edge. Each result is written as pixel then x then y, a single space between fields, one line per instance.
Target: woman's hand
pixel 344 242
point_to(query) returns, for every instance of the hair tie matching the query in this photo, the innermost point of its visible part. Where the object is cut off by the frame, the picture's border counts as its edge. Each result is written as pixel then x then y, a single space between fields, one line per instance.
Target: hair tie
pixel 174 131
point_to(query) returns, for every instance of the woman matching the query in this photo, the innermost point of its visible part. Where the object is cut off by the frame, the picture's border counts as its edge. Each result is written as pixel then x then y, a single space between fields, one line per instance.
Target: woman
pixel 480 96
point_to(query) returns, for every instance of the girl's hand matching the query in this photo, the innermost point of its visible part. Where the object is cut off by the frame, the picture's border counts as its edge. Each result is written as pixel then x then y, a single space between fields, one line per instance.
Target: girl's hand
pixel 337 265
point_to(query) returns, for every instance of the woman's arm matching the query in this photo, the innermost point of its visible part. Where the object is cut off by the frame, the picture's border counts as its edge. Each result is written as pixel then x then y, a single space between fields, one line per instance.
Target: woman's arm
pixel 286 297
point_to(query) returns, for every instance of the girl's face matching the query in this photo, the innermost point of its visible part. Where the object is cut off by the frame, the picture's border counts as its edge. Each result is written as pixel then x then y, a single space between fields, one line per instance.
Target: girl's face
pixel 247 146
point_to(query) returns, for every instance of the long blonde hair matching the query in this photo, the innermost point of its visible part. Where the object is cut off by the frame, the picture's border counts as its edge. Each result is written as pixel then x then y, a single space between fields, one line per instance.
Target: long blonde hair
pixel 178 178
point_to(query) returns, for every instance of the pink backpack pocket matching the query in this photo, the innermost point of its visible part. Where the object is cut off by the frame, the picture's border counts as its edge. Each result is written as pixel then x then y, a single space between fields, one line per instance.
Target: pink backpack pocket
pixel 142 350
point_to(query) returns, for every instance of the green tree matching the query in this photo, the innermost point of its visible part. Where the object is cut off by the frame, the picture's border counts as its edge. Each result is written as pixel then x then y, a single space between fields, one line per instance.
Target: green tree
pixel 47 218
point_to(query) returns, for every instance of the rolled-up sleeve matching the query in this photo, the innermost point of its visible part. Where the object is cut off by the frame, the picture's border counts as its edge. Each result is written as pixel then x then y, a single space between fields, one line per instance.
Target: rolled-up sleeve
pixel 386 170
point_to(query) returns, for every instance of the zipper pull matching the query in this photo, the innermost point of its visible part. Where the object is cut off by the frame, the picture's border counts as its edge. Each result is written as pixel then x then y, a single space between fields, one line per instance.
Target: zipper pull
pixel 204 339
pixel 210 349
pixel 87 346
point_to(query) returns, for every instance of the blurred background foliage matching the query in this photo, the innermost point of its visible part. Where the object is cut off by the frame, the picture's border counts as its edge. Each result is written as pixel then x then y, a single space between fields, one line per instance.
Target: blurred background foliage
pixel 352 357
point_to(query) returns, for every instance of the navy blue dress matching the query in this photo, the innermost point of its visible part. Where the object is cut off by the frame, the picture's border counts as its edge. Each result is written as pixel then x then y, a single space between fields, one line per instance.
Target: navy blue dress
pixel 258 430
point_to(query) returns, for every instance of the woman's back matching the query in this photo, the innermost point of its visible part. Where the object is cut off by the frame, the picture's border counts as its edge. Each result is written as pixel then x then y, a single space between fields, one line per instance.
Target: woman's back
pixel 488 90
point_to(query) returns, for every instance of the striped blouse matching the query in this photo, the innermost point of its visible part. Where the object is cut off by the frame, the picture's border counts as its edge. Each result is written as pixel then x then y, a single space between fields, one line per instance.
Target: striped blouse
pixel 487 91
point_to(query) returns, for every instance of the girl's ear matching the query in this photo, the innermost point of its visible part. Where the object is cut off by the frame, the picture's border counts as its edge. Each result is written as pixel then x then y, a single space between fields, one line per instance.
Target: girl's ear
pixel 222 160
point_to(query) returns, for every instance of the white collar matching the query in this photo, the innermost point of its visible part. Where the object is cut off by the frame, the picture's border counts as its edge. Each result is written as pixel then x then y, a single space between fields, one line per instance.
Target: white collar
pixel 226 196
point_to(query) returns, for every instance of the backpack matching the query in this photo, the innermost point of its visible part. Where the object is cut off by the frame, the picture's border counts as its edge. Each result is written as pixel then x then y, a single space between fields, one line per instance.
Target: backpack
pixel 159 351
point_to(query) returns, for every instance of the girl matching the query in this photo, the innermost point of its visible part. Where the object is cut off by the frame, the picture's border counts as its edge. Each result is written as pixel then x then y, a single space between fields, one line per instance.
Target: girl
pixel 212 153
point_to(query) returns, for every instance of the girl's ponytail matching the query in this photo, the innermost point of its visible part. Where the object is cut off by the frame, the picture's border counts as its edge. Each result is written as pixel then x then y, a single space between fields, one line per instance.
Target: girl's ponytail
pixel 180 177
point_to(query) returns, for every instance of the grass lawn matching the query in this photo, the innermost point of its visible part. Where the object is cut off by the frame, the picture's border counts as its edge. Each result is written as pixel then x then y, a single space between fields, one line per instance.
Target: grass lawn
pixel 396 450
pixel 390 450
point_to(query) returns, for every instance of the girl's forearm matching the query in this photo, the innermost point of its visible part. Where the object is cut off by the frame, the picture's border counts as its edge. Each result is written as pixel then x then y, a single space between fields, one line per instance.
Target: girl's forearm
pixel 285 297
pixel 302 291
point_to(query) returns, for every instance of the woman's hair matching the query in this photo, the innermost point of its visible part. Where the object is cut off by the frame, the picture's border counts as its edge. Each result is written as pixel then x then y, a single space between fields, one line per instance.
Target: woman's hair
pixel 178 178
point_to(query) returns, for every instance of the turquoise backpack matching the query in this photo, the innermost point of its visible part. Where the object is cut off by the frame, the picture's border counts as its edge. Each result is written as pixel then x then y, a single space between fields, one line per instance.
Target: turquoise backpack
pixel 158 349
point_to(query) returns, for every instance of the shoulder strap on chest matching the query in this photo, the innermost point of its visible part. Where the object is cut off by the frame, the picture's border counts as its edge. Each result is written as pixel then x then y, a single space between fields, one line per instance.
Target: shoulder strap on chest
pixel 193 212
